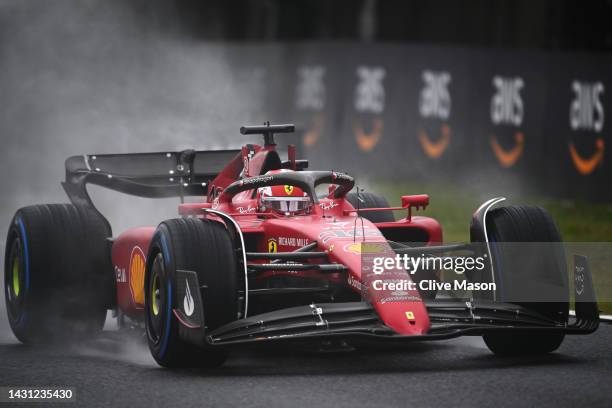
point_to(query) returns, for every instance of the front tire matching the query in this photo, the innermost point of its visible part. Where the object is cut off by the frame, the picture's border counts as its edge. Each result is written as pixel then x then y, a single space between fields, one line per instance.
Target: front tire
pixel 206 248
pixel 370 200
pixel 517 224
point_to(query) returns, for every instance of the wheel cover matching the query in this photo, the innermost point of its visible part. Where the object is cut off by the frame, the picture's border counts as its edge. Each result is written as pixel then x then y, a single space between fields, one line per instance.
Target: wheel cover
pixel 155 295
pixel 13 281
pixel 157 299
pixel 16 286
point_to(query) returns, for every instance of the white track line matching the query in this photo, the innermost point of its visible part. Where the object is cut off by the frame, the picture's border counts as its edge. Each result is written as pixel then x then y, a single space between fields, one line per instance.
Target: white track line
pixel 602 317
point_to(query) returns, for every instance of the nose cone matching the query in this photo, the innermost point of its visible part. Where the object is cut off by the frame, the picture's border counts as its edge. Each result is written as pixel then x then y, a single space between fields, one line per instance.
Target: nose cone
pixel 406 318
pixel 392 292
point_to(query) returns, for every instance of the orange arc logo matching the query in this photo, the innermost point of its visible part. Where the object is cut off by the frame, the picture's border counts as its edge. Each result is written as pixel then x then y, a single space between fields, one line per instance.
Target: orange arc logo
pixel 507 158
pixel 137 272
pixel 434 150
pixel 312 136
pixel 587 166
pixel 367 141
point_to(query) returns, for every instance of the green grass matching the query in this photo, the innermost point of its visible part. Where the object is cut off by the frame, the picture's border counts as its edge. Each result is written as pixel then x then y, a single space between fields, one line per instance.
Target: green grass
pixel 578 221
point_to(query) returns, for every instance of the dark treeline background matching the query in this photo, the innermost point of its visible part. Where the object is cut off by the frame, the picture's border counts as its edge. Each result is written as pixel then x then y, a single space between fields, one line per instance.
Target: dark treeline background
pixel 549 24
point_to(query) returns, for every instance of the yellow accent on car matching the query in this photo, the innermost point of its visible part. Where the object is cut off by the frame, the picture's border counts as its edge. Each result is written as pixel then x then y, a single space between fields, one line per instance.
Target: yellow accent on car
pixel 272 245
pixel 137 273
pixel 16 286
pixel 410 315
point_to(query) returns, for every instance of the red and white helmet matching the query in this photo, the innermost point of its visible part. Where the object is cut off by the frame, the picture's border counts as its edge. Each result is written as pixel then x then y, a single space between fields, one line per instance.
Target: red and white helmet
pixel 283 199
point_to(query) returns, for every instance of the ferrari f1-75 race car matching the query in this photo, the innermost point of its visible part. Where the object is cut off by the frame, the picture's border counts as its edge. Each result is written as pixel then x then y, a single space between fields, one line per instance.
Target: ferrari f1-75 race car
pixel 270 256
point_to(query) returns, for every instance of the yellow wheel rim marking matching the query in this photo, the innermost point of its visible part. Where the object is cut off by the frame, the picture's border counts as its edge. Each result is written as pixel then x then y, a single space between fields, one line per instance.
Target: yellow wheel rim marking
pixel 16 287
pixel 155 295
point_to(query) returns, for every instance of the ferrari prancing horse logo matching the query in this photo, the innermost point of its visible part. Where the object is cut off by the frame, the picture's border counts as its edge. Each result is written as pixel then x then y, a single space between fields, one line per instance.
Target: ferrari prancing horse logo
pixel 272 245
pixel 289 190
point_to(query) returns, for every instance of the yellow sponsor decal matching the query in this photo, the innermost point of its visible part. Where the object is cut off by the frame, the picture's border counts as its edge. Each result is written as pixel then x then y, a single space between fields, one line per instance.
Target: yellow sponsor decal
pixel 364 247
pixel 272 245
pixel 137 272
pixel 410 315
pixel 289 190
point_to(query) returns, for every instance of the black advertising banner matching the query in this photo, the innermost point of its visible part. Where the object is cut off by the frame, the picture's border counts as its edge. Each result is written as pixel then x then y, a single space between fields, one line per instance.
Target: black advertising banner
pixel 515 119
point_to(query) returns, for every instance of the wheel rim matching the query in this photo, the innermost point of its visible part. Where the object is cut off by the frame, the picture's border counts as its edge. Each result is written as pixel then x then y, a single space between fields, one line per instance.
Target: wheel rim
pixel 156 298
pixel 13 284
pixel 16 287
pixel 155 295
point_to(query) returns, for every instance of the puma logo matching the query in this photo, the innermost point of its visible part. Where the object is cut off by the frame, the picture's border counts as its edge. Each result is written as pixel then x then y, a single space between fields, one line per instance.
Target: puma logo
pixel 587 166
pixel 188 300
pixel 434 150
pixel 507 158
pixel 367 141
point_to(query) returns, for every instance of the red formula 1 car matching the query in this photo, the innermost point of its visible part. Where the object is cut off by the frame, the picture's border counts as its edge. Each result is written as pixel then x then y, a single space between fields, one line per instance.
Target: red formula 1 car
pixel 274 253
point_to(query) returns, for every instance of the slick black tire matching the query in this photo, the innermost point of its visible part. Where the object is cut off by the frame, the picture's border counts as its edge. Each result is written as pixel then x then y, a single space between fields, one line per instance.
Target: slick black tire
pixel 58 277
pixel 529 264
pixel 371 200
pixel 198 245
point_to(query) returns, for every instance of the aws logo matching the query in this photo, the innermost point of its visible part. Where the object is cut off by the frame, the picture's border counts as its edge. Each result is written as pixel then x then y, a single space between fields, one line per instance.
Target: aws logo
pixel 137 271
pixel 367 140
pixel 587 114
pixel 435 103
pixel 507 108
pixel 434 150
pixel 310 96
pixel 508 157
pixel 369 101
pixel 312 135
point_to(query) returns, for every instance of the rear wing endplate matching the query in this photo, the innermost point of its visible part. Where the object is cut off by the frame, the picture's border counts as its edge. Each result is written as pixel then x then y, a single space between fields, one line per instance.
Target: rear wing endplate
pixel 151 175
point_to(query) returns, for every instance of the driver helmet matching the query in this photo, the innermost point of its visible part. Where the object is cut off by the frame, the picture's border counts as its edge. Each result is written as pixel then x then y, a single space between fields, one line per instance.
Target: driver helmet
pixel 283 199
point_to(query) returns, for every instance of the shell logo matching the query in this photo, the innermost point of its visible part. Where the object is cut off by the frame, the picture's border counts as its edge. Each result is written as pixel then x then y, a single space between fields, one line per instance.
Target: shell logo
pixel 137 273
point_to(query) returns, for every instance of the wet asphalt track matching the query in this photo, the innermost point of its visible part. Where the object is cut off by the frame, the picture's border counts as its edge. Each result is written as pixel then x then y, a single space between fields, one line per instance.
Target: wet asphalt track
pixel 117 371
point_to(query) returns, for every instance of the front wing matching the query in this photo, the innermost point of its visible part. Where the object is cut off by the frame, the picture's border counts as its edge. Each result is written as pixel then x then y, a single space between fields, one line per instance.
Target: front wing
pixel 358 320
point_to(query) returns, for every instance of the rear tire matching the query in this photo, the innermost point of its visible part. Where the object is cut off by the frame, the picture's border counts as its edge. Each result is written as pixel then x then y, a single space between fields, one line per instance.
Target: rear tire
pixel 202 246
pixel 58 276
pixel 528 224
pixel 371 200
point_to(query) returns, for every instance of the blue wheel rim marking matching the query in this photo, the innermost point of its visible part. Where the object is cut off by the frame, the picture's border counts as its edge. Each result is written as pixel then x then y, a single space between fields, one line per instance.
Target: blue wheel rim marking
pixel 26 253
pixel 164 345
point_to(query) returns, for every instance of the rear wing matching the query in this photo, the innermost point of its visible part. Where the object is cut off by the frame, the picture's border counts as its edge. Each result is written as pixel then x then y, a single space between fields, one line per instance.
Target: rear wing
pixel 152 175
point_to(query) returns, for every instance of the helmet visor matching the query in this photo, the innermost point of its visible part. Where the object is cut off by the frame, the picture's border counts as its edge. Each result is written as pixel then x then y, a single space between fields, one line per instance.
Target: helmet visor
pixel 287 204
